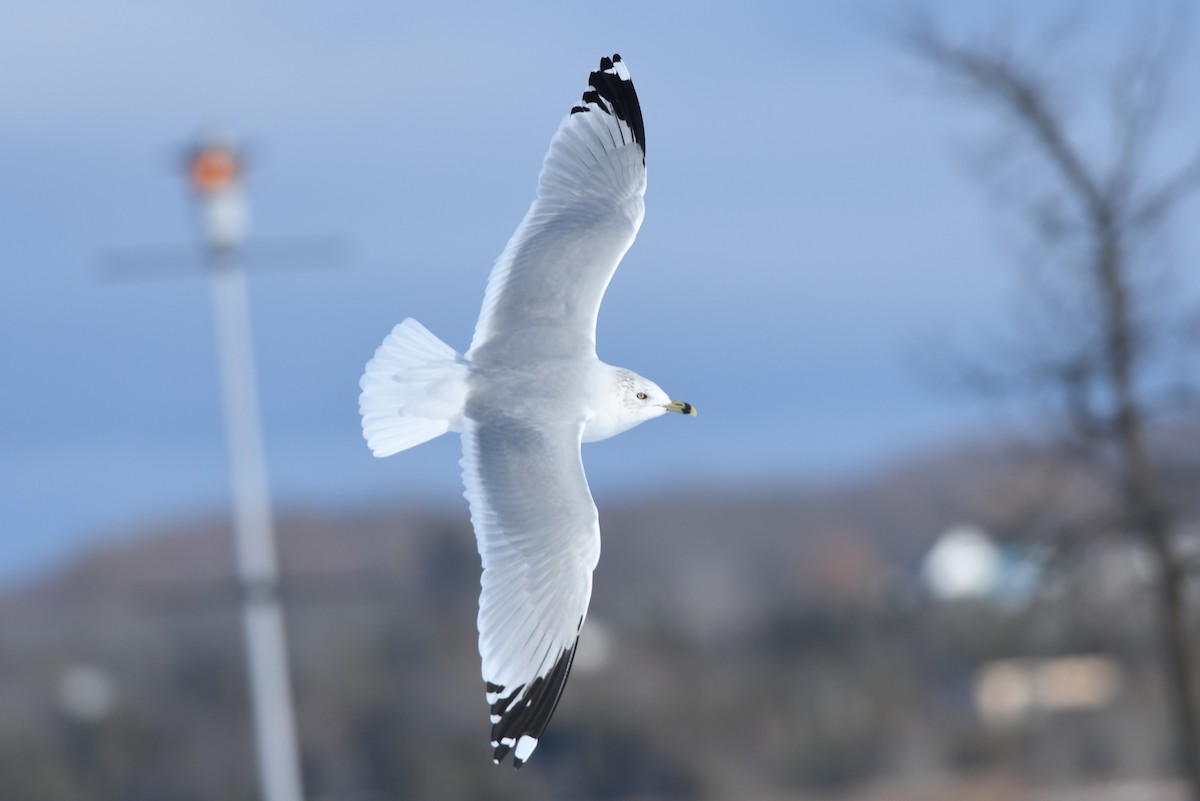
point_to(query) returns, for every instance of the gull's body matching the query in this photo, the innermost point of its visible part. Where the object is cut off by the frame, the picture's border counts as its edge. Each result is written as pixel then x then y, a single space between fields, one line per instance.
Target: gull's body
pixel 528 392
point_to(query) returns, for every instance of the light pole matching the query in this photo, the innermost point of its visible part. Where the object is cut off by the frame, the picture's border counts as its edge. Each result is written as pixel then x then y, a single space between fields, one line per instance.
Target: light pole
pixel 214 171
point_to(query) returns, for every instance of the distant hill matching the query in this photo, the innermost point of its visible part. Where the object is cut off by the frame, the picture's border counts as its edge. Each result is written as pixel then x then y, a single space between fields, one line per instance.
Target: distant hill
pixel 740 644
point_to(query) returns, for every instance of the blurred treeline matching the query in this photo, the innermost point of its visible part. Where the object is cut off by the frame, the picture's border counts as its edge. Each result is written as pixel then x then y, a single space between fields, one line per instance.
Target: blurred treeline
pixel 782 643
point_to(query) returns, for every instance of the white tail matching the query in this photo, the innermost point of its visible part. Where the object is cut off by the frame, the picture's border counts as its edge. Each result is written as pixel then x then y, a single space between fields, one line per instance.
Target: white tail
pixel 412 391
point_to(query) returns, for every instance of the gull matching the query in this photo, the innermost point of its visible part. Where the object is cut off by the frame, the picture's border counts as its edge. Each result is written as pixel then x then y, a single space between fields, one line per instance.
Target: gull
pixel 525 396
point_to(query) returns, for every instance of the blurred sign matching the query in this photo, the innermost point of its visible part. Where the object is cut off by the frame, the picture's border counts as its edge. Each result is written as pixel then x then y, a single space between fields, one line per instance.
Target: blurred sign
pixel 1010 691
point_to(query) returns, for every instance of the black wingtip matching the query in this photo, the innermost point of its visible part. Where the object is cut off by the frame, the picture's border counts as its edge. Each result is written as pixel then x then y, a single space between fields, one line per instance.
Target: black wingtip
pixel 525 715
pixel 610 90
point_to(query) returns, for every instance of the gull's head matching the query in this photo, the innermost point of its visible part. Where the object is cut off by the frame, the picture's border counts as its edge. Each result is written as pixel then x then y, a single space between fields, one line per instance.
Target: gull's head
pixel 644 399
pixel 633 399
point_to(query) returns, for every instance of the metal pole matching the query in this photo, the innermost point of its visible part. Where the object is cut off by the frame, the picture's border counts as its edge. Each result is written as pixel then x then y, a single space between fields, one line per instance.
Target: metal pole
pixel 262 618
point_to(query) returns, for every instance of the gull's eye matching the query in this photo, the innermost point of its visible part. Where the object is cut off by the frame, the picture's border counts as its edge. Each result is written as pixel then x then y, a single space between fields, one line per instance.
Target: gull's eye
pixel 641 396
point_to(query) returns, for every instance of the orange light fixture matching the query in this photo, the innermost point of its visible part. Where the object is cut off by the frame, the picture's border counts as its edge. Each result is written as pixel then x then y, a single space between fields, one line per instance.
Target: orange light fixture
pixel 213 169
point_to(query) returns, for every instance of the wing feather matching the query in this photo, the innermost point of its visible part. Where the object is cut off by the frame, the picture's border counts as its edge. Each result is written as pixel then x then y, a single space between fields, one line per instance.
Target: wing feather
pixel 589 206
pixel 539 539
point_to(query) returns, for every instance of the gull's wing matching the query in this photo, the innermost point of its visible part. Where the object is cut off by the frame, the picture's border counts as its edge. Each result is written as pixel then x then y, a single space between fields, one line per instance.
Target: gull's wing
pixel 539 538
pixel 545 288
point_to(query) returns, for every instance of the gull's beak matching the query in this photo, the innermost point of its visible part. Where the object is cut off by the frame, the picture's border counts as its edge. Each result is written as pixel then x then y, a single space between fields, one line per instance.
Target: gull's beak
pixel 681 407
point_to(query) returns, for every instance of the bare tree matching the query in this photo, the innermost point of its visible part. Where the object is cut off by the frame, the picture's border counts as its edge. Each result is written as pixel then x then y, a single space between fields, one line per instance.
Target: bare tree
pixel 1105 335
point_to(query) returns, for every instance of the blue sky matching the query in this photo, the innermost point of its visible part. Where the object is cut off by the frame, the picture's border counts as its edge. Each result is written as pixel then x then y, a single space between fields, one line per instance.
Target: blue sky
pixel 810 226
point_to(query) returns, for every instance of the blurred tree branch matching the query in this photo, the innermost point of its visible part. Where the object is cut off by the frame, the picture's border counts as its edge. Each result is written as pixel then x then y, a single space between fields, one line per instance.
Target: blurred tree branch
pixel 1107 328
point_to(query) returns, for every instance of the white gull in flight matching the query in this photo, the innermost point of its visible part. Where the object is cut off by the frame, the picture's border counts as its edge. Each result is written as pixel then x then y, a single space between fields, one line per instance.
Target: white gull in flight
pixel 525 396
